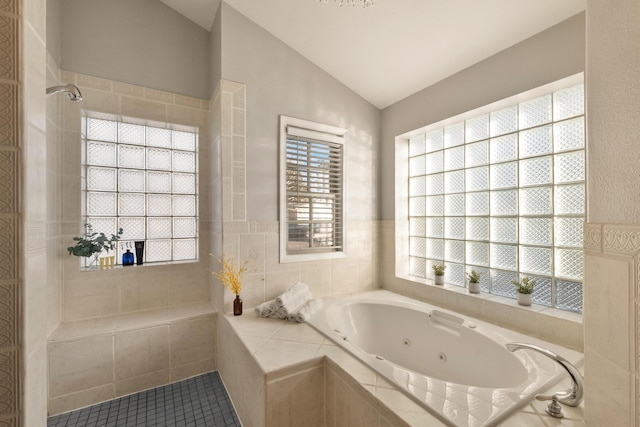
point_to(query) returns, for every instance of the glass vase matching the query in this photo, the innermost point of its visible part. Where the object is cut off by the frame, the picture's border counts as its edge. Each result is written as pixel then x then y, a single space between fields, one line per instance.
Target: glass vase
pixel 237 306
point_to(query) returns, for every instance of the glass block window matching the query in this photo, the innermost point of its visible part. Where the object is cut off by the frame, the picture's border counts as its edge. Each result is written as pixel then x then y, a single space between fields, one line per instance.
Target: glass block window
pixel 504 193
pixel 311 190
pixel 143 179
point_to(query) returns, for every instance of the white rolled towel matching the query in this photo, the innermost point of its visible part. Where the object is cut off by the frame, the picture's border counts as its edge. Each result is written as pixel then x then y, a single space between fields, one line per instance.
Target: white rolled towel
pixel 295 303
pixel 267 308
pixel 278 314
pixel 286 297
pixel 306 311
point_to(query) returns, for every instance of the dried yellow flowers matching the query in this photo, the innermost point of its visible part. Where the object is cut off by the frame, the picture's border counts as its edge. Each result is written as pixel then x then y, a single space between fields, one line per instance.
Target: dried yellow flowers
pixel 231 274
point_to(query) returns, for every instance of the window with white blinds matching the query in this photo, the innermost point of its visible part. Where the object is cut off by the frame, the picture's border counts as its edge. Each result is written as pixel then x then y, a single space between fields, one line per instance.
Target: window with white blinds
pixel 311 190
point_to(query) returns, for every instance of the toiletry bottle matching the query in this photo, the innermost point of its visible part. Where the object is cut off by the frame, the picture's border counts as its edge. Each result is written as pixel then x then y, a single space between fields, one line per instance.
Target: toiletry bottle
pixel 139 252
pixel 127 258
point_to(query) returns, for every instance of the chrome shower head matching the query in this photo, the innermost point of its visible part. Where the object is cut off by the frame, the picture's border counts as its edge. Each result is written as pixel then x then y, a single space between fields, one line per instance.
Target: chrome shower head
pixel 72 90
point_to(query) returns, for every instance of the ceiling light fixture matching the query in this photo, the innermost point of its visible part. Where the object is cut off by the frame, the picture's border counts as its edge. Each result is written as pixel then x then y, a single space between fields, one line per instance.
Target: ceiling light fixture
pixel 365 3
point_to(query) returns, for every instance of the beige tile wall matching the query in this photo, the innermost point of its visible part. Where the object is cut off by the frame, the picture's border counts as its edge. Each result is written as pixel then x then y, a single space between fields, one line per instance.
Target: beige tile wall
pixel 125 329
pixel 34 233
pixel 97 361
pixel 242 376
pixel 53 177
pixel 258 241
pixel 297 399
pixel 10 158
pixel 109 292
pixel 348 404
pixel 612 276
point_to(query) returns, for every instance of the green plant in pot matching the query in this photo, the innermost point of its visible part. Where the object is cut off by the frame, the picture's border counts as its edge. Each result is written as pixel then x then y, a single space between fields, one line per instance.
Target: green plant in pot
pixel 91 244
pixel 525 290
pixel 438 271
pixel 474 281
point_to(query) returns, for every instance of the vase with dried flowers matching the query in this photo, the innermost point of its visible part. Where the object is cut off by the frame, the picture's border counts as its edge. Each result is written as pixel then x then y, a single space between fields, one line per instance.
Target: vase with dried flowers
pixel 231 277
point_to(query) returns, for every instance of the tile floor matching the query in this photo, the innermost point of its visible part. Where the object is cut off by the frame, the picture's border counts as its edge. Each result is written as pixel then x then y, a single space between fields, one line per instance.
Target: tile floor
pixel 198 401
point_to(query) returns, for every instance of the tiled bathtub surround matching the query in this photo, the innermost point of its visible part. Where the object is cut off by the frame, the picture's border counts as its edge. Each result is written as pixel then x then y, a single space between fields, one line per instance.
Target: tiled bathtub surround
pixel 282 373
pixel 98 359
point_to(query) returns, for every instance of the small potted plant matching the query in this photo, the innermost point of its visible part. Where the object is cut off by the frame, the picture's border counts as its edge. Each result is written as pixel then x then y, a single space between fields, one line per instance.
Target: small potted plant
pixel 92 243
pixel 474 281
pixel 525 290
pixel 438 270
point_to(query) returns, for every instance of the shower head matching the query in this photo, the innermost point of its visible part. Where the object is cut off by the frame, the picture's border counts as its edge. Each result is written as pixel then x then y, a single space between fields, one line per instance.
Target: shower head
pixel 72 90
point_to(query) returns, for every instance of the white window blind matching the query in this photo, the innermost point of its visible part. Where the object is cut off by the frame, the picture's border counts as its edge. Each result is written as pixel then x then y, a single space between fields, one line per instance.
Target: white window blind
pixel 313 190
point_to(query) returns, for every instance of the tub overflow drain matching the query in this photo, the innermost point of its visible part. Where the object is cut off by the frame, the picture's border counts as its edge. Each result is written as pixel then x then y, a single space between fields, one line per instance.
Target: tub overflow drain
pixel 442 357
pixel 406 342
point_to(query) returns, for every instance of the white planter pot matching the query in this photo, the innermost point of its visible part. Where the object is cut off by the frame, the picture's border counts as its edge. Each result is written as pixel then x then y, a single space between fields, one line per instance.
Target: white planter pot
pixel 474 288
pixel 439 280
pixel 525 299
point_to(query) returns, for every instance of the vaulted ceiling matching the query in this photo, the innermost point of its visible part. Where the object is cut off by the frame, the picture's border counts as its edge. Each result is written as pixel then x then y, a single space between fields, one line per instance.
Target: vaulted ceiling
pixel 389 51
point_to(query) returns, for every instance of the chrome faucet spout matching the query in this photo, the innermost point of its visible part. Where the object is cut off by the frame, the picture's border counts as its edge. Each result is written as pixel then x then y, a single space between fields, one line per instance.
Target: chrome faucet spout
pixel 574 394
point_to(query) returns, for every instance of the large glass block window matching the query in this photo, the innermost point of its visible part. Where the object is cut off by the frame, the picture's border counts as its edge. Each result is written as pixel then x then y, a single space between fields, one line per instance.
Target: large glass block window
pixel 143 179
pixel 311 190
pixel 504 193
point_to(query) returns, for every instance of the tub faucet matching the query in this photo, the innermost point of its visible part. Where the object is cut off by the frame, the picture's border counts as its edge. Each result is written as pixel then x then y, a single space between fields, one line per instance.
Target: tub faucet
pixel 574 394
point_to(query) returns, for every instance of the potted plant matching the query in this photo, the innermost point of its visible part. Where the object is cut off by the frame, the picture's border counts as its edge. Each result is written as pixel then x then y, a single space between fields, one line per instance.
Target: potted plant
pixel 92 243
pixel 438 270
pixel 474 281
pixel 525 290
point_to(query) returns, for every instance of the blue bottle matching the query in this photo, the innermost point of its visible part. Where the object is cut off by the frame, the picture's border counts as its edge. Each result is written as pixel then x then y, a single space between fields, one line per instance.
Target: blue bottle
pixel 127 258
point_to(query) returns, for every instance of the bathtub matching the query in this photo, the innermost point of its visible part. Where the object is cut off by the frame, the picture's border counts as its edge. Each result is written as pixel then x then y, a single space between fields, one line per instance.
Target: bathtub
pixel 456 367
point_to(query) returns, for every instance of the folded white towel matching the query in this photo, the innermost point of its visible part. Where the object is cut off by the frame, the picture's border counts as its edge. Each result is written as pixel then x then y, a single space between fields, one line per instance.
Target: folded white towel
pixel 307 310
pixel 267 308
pixel 291 293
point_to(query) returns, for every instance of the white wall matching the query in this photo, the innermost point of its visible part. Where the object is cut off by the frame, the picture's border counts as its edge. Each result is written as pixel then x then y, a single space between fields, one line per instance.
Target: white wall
pixel 281 81
pixel 546 57
pixel 142 42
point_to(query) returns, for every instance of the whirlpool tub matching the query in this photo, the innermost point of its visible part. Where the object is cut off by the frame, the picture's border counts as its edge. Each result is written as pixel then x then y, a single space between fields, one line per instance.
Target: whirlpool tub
pixel 456 367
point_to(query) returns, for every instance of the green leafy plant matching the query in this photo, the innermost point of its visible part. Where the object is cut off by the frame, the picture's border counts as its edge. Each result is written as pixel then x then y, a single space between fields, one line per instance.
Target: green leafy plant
pixel 525 286
pixel 474 276
pixel 93 243
pixel 438 269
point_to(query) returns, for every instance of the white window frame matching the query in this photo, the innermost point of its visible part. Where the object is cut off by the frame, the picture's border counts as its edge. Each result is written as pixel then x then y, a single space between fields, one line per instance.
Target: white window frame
pixel 323 133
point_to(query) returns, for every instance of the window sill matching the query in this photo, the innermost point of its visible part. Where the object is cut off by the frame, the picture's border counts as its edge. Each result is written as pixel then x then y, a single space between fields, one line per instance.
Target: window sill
pixel 551 324
pixel 136 266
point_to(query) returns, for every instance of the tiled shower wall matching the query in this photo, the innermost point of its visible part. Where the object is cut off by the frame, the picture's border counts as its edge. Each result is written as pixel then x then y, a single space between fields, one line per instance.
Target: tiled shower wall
pixel 89 294
pixel 10 153
pixel 258 241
